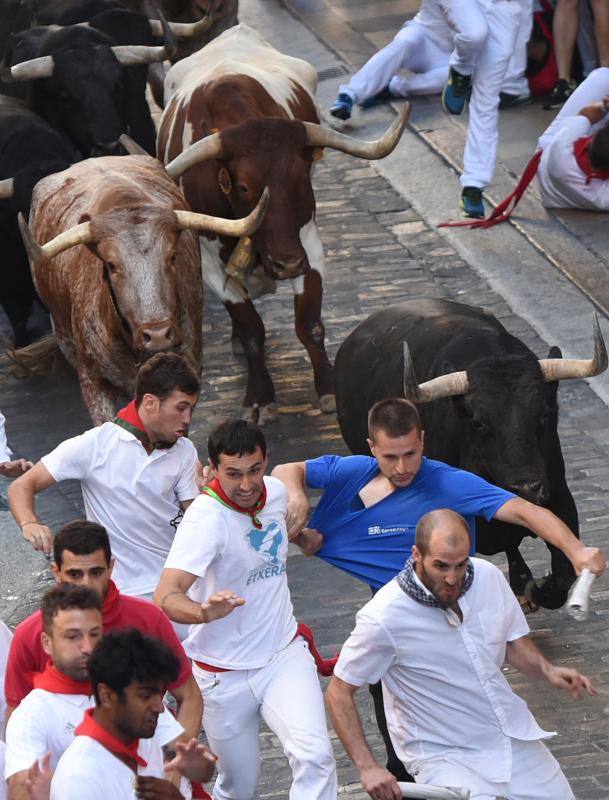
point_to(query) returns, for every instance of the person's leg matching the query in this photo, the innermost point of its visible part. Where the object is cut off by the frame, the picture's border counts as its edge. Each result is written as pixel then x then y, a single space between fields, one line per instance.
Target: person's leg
pixel 592 90
pixel 446 772
pixel 468 23
pixel 394 765
pixel 378 71
pixel 429 65
pixel 482 131
pixel 231 723
pixel 600 11
pixel 564 28
pixel 300 726
pixel 515 82
pixel 536 774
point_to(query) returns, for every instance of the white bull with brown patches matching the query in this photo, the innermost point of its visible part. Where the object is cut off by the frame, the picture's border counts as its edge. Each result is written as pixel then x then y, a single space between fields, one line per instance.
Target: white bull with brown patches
pixel 120 272
pixel 239 116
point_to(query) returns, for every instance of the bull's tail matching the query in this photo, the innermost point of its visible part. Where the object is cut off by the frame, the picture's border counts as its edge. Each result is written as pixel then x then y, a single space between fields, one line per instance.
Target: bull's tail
pixel 38 358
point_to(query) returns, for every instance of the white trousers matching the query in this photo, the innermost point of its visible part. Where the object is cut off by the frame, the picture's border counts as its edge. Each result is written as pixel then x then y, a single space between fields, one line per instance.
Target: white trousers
pixel 592 90
pixel 504 18
pixel 287 694
pixel 515 81
pixel 536 775
pixel 467 20
pixel 411 48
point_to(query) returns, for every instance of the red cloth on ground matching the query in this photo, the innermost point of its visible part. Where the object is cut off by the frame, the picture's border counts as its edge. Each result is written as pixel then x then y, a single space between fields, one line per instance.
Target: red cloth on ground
pixel 119 611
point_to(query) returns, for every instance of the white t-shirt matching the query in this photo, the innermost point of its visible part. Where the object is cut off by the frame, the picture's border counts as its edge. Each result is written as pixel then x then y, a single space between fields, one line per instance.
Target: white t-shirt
pixel 5 643
pixel 562 183
pixel 225 551
pixel 45 722
pixel 88 771
pixel 134 495
pixel 5 451
pixel 443 687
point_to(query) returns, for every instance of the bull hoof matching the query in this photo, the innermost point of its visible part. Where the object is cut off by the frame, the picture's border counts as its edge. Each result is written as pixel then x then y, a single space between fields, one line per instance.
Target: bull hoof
pixel 327 404
pixel 527 606
pixel 237 347
pixel 261 415
pixel 548 592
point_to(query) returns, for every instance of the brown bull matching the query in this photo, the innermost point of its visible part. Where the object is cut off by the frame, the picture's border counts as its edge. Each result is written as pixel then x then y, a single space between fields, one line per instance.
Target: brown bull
pixel 239 116
pixel 120 271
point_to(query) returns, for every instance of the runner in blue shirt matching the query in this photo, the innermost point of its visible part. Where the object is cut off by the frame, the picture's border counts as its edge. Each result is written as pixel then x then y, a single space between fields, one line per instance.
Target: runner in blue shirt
pixel 365 520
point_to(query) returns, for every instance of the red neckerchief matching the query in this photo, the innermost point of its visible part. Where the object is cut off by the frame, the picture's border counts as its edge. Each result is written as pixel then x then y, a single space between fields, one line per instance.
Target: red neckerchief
pixel 91 728
pixel 129 419
pixel 215 490
pixel 582 156
pixel 52 680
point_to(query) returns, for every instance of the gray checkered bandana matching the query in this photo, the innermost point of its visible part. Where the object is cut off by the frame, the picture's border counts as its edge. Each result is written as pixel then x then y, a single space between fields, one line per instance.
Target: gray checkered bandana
pixel 411 587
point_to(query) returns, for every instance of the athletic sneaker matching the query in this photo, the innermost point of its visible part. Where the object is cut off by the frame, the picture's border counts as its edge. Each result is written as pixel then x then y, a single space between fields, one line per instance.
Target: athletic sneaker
pixel 342 106
pixel 471 202
pixel 456 92
pixel 512 100
pixel 381 97
pixel 559 94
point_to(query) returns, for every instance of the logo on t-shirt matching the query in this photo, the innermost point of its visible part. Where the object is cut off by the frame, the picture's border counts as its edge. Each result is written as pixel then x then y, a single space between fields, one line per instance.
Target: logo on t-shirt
pixel 379 530
pixel 266 543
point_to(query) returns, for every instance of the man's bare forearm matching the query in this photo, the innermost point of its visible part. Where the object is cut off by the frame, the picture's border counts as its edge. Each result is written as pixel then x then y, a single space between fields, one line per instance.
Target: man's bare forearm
pixel 21 501
pixel 189 710
pixel 524 655
pixel 293 476
pixel 179 607
pixel 340 700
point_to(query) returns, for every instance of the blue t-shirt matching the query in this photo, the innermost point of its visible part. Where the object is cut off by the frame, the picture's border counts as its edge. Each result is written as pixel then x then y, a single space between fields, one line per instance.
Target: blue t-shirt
pixel 373 543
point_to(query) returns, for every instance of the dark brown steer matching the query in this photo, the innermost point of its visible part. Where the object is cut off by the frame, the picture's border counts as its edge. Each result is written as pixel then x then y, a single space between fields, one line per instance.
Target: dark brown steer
pixel 120 271
pixel 239 116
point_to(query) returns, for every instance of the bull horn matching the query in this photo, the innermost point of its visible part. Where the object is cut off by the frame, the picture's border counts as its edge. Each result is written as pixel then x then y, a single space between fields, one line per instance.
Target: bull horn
pixel 203 150
pixel 561 369
pixel 30 70
pixel 455 383
pixel 132 147
pixel 39 254
pixel 130 55
pixel 7 188
pixel 225 227
pixel 318 136
pixel 182 30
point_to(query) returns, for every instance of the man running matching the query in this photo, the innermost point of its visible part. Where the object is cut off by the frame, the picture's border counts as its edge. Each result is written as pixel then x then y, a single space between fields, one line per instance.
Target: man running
pixel 137 474
pixel 117 750
pixel 227 567
pixel 82 557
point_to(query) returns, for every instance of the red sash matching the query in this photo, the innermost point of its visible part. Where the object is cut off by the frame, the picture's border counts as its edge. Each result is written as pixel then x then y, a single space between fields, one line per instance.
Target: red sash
pixel 214 489
pixel 52 680
pixel 129 419
pixel 91 728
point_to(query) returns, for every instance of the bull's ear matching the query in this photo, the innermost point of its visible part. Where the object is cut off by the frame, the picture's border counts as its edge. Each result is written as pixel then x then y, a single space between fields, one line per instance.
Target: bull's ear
pixel 555 352
pixel 552 386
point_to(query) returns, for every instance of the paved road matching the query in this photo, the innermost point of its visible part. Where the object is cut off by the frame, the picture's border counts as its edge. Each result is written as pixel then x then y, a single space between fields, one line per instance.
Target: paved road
pixel 381 248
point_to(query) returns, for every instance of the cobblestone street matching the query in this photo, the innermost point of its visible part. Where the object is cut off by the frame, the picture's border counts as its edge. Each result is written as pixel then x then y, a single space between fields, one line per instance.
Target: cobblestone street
pixel 379 251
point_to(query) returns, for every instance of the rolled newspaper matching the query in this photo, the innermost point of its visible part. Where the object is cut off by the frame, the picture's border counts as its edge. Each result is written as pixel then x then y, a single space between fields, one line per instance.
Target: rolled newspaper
pixel 421 791
pixel 578 602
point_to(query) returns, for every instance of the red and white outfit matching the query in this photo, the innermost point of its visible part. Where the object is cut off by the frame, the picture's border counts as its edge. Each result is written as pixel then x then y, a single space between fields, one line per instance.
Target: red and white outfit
pixel 26 656
pixel 134 494
pixel 452 716
pixel 90 769
pixel 562 181
pixel 249 664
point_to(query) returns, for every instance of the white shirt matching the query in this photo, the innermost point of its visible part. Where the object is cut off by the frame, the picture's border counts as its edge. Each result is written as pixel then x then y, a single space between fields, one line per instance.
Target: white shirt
pixel 45 722
pixel 134 495
pixel 5 451
pixel 5 643
pixel 225 551
pixel 443 686
pixel 88 770
pixel 561 181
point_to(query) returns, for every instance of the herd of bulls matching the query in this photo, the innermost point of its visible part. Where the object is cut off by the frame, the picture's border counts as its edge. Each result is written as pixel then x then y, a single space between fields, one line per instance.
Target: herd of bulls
pixel 115 230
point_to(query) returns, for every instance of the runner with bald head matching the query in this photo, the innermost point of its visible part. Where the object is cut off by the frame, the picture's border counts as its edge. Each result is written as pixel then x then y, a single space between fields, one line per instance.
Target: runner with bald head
pixel 438 635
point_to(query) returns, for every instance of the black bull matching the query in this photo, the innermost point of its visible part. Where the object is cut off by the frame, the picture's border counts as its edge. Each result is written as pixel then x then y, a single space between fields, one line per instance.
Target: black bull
pixel 503 427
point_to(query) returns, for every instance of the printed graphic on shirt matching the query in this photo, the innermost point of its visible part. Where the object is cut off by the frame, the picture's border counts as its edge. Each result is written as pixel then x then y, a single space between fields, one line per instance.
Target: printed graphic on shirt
pixel 266 543
pixel 379 530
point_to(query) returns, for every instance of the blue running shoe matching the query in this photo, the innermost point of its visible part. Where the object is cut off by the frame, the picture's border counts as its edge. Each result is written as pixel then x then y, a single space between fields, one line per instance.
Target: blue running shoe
pixel 471 202
pixel 456 92
pixel 342 106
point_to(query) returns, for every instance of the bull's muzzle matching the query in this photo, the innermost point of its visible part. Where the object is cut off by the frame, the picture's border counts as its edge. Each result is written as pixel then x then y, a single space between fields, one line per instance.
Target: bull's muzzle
pixel 286 270
pixel 156 337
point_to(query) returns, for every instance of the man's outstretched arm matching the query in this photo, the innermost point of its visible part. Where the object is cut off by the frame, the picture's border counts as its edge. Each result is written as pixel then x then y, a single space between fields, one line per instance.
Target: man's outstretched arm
pixel 22 503
pixel 170 595
pixel 554 531
pixel 376 780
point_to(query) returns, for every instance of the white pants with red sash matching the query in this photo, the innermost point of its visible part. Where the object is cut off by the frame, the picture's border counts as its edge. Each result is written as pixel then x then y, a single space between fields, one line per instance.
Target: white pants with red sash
pixel 287 695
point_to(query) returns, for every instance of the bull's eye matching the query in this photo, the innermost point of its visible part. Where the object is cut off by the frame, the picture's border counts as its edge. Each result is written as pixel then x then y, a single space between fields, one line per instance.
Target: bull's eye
pixel 110 267
pixel 172 260
pixel 243 188
pixel 481 428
